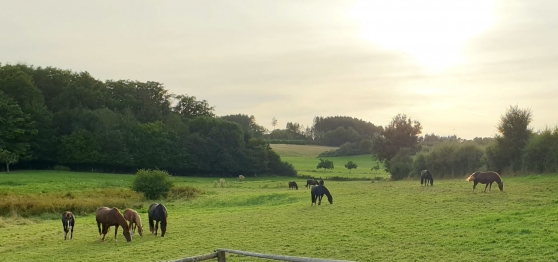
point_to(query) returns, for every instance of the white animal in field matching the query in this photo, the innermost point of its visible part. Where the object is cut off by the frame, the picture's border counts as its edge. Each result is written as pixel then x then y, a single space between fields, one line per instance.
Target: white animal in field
pixel 241 177
pixel 222 182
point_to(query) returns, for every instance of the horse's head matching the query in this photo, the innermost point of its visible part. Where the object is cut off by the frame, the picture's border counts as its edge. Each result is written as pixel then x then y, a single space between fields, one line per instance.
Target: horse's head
pixel 127 235
pixel 501 186
pixel 330 199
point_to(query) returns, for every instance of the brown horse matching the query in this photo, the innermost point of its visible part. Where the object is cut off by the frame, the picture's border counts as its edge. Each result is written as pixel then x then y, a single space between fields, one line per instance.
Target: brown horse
pixel 68 220
pixel 311 182
pixel 135 221
pixel 293 185
pixel 486 178
pixel 111 217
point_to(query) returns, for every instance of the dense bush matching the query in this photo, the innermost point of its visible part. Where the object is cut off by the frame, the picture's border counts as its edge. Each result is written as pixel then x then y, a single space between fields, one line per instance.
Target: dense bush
pixel 541 152
pixel 154 184
pixel 449 159
pixel 401 164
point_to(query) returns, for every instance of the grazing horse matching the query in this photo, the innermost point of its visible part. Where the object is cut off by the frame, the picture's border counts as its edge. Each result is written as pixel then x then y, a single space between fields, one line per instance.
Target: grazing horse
pixel 68 220
pixel 135 221
pixel 318 192
pixel 157 212
pixel 486 178
pixel 108 217
pixel 241 177
pixel 293 185
pixel 311 182
pixel 425 177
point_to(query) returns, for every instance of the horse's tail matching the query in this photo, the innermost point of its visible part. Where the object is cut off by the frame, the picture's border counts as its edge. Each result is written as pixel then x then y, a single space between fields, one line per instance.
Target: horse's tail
pixel 421 179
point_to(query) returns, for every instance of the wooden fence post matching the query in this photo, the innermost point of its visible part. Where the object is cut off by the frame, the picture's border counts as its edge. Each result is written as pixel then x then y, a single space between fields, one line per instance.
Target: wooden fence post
pixel 221 256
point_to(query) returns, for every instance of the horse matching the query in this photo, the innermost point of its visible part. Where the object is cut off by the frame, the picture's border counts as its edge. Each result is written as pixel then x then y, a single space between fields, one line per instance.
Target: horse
pixel 68 220
pixel 425 177
pixel 157 212
pixel 486 178
pixel 241 177
pixel 321 182
pixel 311 182
pixel 135 221
pixel 108 217
pixel 293 185
pixel 318 192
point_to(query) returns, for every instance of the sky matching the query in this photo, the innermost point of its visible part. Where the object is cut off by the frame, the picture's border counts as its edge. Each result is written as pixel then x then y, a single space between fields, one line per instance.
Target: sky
pixel 455 66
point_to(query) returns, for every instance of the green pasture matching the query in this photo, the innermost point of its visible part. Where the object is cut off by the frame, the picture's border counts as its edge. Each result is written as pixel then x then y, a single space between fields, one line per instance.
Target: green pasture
pixel 369 221
pixel 305 160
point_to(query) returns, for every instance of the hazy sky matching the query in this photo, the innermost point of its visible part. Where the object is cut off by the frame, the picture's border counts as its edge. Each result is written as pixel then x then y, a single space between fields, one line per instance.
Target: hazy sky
pixel 455 66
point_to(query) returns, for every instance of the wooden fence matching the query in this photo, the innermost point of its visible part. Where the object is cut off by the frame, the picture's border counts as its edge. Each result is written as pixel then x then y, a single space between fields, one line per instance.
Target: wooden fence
pixel 220 255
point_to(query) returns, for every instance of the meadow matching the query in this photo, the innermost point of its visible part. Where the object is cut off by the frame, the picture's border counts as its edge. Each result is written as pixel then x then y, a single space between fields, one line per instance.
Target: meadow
pixel 305 160
pixel 368 221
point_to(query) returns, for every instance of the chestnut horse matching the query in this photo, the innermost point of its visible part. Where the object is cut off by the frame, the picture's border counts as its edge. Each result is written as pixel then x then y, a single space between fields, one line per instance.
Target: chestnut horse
pixel 135 221
pixel 158 213
pixel 68 220
pixel 486 178
pixel 108 217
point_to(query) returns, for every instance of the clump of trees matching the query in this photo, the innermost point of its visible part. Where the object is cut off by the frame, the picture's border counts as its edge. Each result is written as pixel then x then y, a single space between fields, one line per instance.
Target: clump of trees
pixel 50 117
pixel 350 165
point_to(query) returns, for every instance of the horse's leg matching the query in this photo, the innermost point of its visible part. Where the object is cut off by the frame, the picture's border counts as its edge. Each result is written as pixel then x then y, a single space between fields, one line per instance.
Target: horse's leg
pixel 130 227
pixel 72 233
pixel 156 226
pixel 490 187
pixel 486 187
pixel 100 232
pixel 116 231
pixel 320 199
pixel 475 185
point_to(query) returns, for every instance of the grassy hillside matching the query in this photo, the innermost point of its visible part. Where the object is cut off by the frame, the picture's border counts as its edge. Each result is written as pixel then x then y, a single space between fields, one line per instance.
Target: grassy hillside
pixel 305 160
pixel 380 221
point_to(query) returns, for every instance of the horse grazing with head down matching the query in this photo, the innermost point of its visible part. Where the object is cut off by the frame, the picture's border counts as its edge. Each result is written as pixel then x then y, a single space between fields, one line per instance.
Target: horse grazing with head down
pixel 108 217
pixel 293 185
pixel 318 192
pixel 158 213
pixel 68 221
pixel 425 177
pixel 135 221
pixel 311 182
pixel 486 178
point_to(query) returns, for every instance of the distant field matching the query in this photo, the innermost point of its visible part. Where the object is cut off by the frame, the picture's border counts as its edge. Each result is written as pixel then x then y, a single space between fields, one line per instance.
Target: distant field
pixel 369 221
pixel 304 159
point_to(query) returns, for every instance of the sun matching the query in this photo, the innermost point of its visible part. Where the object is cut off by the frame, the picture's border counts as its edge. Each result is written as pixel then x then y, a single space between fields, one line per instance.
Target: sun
pixel 434 32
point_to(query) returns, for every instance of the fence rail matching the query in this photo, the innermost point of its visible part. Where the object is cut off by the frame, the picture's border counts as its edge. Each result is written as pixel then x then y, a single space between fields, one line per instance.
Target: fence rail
pixel 220 255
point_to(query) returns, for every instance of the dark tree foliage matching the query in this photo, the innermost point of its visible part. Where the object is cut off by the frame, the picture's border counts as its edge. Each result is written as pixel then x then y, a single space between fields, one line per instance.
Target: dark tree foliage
pixel 325 164
pixel 401 165
pixel 541 152
pixel 350 165
pixel 248 124
pixel 335 131
pixel 67 118
pixel 514 134
pixel 400 133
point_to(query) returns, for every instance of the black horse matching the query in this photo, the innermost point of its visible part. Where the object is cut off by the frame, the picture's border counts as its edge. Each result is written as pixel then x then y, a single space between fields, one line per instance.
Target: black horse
pixel 311 182
pixel 318 192
pixel 293 185
pixel 157 212
pixel 68 221
pixel 425 177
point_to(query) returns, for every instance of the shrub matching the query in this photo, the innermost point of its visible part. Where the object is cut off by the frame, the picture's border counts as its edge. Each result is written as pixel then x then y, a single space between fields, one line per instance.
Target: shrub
pixel 154 184
pixel 183 192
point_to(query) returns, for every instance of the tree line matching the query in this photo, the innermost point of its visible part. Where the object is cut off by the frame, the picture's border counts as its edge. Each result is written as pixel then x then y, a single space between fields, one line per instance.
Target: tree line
pixel 52 117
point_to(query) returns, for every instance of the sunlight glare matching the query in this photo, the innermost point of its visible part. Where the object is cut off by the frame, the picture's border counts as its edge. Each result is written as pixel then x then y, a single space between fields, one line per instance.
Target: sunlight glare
pixel 434 32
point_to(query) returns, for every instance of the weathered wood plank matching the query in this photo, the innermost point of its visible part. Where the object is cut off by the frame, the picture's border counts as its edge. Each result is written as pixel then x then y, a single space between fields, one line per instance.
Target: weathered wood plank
pixel 279 257
pixel 197 258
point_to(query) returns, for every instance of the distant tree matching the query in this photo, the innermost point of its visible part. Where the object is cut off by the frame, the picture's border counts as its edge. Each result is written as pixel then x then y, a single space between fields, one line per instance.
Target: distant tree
pixel 350 165
pixel 189 107
pixel 16 131
pixel 514 134
pixel 400 133
pixel 248 124
pixel 375 168
pixel 325 164
pixel 274 122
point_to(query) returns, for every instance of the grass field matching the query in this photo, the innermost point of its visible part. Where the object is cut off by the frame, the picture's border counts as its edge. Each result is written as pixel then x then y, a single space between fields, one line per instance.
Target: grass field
pixel 305 160
pixel 369 221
